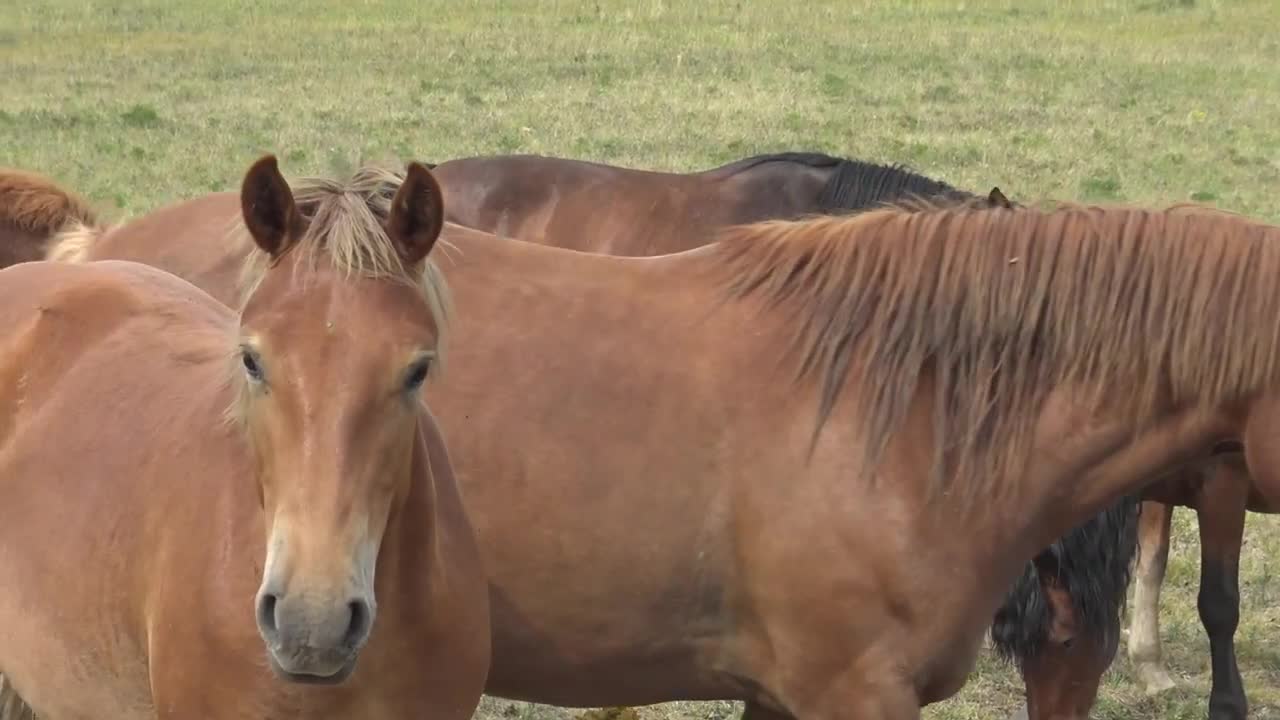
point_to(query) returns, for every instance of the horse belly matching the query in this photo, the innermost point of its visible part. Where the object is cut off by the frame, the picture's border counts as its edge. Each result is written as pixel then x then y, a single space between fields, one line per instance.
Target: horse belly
pixel 634 676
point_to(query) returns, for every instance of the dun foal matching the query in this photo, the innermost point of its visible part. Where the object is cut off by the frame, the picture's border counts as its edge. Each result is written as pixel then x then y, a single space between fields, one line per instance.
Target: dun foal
pixel 210 514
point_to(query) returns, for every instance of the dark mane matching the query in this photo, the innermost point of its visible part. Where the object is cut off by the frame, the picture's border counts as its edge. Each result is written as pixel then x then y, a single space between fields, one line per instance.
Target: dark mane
pixel 999 306
pixel 856 185
pixel 1093 564
pixel 811 159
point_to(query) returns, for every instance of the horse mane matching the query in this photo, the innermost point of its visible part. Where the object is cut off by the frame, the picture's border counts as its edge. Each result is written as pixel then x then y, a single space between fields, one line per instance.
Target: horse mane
pixel 36 204
pixel 811 159
pixel 998 306
pixel 345 227
pixel 1093 563
pixel 856 185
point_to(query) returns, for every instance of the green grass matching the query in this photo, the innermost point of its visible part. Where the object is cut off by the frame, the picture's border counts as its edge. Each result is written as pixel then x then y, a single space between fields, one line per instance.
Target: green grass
pixel 1147 101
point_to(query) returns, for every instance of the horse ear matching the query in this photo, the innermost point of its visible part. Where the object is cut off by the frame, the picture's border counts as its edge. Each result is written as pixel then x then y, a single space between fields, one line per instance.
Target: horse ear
pixel 268 208
pixel 417 214
pixel 997 199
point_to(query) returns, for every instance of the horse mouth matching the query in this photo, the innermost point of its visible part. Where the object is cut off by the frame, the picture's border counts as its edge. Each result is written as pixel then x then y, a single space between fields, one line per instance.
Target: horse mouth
pixel 307 678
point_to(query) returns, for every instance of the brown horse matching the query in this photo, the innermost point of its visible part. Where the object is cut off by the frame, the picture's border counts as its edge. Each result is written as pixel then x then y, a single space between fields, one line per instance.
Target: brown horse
pixel 223 515
pixel 33 208
pixel 1063 632
pixel 621 211
pixel 967 367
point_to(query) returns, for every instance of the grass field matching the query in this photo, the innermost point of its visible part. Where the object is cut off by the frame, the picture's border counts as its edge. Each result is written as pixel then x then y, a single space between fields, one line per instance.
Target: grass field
pixel 1154 101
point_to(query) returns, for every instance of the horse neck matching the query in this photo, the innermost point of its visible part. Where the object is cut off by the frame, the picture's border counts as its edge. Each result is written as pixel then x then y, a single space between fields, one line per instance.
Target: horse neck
pixel 1082 462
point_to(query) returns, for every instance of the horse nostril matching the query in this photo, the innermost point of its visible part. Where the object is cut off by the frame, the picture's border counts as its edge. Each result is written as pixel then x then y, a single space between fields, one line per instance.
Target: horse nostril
pixel 358 628
pixel 267 613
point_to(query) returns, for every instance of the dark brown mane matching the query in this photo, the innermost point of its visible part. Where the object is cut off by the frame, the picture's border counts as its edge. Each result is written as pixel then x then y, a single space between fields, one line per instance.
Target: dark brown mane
pixel 36 204
pixel 999 306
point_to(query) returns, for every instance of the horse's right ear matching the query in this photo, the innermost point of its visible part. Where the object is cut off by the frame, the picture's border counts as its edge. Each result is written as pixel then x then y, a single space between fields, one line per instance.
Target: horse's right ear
pixel 267 204
pixel 997 199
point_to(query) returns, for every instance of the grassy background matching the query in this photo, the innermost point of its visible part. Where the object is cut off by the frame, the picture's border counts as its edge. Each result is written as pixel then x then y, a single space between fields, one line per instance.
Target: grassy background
pixel 1146 101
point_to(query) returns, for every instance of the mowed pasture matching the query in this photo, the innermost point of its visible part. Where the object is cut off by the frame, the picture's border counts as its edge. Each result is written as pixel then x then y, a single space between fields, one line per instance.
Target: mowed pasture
pixel 1146 101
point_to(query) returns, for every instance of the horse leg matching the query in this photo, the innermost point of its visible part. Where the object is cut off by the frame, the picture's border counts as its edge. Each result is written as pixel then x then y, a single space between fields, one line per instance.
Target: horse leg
pixel 1144 634
pixel 1221 511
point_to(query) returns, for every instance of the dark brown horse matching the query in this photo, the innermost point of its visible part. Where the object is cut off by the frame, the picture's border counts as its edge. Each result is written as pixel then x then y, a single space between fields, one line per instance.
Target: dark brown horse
pixel 218 513
pixel 1060 622
pixel 621 211
pixel 966 366
pixel 1084 574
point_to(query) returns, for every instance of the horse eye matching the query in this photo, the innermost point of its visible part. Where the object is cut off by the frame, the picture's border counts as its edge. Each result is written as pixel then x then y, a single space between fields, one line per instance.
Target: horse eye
pixel 251 365
pixel 417 375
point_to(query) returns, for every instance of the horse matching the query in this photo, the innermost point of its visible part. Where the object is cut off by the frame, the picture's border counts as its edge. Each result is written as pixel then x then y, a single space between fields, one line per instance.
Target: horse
pixel 34 208
pixel 629 212
pixel 1060 624
pixel 923 398
pixel 227 513
pixel 1078 608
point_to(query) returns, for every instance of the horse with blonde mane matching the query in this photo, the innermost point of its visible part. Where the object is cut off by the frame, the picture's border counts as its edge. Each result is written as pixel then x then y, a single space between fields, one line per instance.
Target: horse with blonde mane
pixel 807 432
pixel 218 514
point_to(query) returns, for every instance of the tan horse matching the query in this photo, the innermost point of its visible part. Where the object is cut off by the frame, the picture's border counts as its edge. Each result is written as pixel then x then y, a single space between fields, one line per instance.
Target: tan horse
pixel 661 516
pixel 210 514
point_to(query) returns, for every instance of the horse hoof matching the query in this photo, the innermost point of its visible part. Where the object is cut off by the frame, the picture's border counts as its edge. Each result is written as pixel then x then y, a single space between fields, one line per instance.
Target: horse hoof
pixel 1155 681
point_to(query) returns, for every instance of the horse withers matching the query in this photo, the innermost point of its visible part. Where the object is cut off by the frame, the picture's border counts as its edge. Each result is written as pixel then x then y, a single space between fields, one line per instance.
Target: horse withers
pixel 219 514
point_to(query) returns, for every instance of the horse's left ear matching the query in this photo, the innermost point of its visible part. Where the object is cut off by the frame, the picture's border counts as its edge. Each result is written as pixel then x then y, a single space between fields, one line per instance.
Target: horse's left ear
pixel 417 215
pixel 998 199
